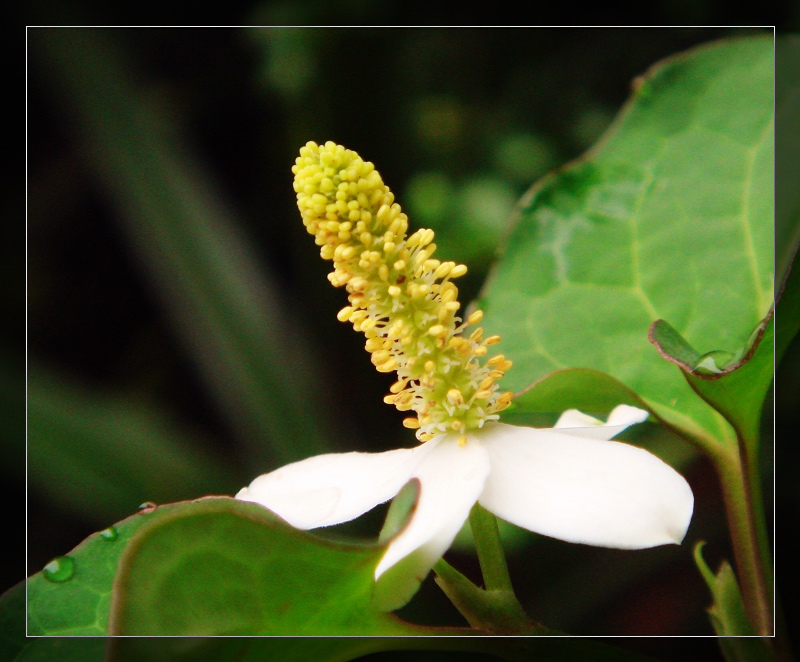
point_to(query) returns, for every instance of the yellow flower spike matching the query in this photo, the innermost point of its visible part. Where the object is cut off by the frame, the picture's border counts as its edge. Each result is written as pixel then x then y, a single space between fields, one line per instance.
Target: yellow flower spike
pixel 401 297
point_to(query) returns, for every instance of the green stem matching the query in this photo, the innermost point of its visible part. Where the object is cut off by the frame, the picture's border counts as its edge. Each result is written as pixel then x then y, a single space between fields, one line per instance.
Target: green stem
pixel 495 612
pixel 741 483
pixel 747 530
pixel 749 445
pixel 490 549
pixel 494 609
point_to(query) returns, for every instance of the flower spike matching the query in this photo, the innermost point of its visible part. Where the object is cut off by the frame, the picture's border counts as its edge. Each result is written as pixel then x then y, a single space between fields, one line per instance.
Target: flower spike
pixel 401 298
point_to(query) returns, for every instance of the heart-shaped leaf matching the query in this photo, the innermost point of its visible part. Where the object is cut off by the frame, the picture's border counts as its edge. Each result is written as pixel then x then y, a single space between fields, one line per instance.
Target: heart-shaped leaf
pixel 224 567
pixel 669 217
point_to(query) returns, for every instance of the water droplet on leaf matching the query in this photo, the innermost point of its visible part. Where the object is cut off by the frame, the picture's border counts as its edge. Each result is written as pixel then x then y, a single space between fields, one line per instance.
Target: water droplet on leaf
pixel 60 569
pixel 110 533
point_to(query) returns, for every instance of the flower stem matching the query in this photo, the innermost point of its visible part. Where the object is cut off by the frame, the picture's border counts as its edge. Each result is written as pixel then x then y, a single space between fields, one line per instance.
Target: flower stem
pixel 494 608
pixel 490 549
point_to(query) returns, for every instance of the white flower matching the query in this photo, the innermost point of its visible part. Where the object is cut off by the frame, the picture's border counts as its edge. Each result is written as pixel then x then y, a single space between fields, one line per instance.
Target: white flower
pixel 569 482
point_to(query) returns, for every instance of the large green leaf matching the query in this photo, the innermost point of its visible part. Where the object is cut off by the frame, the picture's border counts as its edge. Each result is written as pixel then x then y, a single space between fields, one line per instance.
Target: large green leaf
pixel 669 217
pixel 208 567
pixel 221 566
pixel 15 646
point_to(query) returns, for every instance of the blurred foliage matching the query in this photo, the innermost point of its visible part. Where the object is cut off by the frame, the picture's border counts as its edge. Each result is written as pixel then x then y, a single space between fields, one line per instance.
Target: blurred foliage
pixel 459 122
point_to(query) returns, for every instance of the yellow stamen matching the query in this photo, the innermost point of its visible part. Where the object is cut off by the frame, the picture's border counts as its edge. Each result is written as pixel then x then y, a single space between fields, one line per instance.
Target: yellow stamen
pixel 476 317
pixel 401 296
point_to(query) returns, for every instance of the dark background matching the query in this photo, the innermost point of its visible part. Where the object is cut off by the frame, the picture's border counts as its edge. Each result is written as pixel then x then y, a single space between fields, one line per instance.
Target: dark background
pixel 459 122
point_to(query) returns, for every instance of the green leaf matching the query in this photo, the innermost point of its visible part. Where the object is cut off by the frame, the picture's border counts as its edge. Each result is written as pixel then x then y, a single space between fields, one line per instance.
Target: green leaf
pixel 116 452
pixel 59 608
pixel 79 604
pixel 213 566
pixel 727 613
pixel 593 392
pixel 224 307
pixel 668 217
pixel 495 611
pixel 735 389
pixel 15 647
pixel 224 567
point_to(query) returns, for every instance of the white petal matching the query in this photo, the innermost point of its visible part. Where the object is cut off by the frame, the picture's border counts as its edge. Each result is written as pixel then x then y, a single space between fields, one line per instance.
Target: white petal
pixel 451 479
pixel 572 418
pixel 333 488
pixel 583 490
pixel 573 422
pixel 626 415
pixel 398 583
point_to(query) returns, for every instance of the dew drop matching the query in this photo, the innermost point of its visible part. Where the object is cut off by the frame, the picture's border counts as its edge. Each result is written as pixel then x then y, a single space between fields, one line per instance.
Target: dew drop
pixel 147 507
pixel 60 569
pixel 110 533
